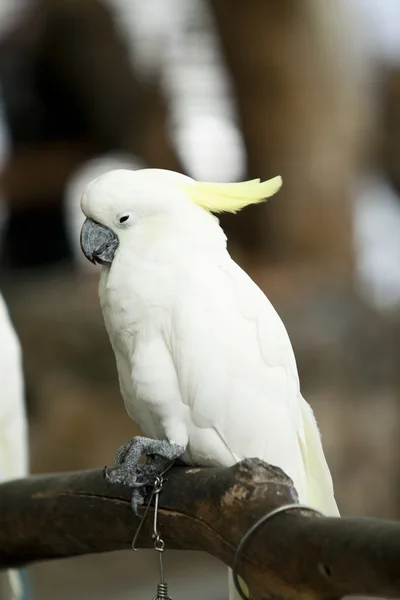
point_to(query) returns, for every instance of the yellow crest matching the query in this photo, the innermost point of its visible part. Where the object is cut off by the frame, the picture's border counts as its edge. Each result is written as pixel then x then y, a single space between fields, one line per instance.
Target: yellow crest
pixel 231 197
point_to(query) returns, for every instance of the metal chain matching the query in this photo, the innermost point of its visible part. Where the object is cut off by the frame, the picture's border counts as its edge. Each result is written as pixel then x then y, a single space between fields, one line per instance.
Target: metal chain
pixel 159 544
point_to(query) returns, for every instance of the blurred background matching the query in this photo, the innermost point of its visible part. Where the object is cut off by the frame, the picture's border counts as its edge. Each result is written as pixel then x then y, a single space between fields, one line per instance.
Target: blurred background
pixel 222 90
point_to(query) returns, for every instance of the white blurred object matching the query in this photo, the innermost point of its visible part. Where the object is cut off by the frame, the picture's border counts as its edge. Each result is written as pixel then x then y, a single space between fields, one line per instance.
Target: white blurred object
pixel 203 142
pixel 146 28
pixel 13 427
pixel 10 13
pixel 204 120
pixel 378 24
pixel 73 190
pixel 377 239
pixel 176 39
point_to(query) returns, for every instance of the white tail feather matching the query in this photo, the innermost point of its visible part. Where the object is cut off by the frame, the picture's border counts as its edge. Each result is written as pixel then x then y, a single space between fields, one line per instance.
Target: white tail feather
pixel 320 494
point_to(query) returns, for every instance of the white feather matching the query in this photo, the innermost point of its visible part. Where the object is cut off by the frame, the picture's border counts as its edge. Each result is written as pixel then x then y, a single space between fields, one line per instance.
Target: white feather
pixel 13 427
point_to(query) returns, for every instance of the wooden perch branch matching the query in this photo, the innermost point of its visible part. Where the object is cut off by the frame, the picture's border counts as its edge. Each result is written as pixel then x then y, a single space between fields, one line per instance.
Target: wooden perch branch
pixel 295 555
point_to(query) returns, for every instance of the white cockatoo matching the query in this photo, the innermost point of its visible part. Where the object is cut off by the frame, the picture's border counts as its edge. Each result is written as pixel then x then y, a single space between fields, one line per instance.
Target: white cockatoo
pixel 205 364
pixel 13 428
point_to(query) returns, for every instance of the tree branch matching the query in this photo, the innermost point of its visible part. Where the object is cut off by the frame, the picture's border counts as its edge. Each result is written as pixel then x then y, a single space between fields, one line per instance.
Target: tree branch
pixel 295 555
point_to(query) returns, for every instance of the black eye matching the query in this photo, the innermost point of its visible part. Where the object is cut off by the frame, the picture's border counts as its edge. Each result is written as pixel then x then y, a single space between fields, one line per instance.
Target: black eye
pixel 123 218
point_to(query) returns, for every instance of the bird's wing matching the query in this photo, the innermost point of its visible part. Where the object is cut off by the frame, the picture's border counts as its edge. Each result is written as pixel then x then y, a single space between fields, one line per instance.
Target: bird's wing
pixel 237 370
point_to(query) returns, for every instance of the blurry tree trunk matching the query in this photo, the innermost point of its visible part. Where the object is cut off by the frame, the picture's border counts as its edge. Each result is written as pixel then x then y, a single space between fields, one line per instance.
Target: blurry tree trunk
pixel 296 102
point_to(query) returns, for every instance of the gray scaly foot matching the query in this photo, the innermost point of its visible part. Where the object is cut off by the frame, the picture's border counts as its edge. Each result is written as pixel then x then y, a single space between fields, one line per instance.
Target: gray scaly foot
pixel 126 471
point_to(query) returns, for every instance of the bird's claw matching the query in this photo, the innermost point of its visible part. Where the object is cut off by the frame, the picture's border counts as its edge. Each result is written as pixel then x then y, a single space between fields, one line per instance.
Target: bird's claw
pixel 126 471
pixel 138 498
pixel 134 479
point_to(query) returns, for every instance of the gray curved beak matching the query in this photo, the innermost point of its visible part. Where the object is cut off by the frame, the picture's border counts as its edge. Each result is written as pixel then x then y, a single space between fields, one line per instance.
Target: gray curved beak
pixel 98 243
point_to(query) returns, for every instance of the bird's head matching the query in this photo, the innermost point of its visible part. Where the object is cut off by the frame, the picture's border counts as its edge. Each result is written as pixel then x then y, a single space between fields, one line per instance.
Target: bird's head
pixel 118 201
